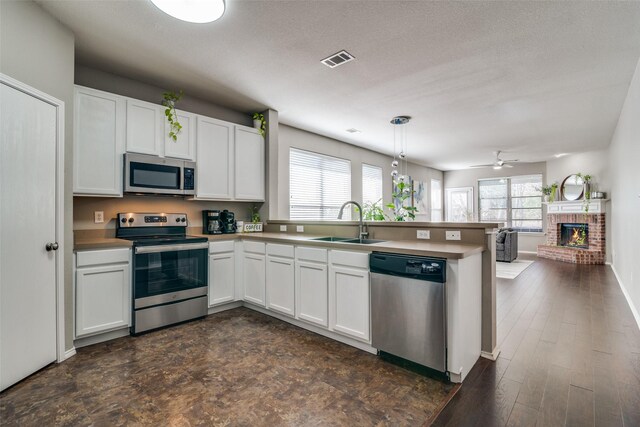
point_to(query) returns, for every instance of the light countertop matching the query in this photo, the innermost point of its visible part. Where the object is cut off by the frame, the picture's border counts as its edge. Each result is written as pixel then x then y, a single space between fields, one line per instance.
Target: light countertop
pixel 410 247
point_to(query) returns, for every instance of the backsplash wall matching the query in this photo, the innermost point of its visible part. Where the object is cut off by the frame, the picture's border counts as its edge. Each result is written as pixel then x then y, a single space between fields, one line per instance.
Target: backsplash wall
pixel 84 208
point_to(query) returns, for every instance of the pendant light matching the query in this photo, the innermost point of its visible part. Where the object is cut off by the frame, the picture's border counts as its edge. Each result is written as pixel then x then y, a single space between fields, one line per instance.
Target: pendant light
pixel 400 140
pixel 196 11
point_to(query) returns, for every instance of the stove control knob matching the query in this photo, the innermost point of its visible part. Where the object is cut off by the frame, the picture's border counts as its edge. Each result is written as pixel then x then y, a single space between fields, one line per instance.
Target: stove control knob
pixel 184 219
pixel 177 219
pixel 130 219
pixel 123 220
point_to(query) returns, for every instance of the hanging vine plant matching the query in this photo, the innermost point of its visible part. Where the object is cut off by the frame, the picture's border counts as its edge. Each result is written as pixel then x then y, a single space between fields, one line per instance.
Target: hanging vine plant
pixel 169 101
pixel 260 123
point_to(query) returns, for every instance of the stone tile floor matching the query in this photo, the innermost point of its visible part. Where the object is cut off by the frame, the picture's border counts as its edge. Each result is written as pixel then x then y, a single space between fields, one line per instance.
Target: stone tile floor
pixel 238 367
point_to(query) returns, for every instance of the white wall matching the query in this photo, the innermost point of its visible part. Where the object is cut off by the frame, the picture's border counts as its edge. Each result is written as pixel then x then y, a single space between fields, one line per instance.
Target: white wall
pixel 289 137
pixel 624 174
pixel 38 50
pixel 527 242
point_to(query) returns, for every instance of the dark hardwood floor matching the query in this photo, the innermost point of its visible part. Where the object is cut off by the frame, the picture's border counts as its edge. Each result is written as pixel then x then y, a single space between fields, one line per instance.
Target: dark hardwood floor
pixel 570 354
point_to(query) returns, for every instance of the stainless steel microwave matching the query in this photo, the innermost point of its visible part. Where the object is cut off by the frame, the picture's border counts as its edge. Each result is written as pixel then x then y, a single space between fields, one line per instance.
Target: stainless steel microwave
pixel 157 175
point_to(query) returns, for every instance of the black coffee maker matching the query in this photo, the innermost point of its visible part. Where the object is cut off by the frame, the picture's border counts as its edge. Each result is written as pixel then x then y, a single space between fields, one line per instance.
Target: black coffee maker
pixel 228 221
pixel 211 223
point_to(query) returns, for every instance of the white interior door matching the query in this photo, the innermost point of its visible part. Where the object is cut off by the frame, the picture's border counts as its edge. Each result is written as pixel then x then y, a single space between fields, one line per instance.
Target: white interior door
pixel 28 214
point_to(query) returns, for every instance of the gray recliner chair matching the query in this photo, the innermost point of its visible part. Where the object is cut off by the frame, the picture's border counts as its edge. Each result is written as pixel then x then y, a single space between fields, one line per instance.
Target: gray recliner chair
pixel 506 245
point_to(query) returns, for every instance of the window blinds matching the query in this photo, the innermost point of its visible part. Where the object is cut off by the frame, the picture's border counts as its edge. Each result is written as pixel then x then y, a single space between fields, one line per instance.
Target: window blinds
pixel 371 184
pixel 318 185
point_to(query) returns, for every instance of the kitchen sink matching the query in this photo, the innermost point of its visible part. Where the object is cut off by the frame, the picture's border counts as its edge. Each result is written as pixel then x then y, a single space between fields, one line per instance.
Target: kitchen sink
pixel 363 241
pixel 332 239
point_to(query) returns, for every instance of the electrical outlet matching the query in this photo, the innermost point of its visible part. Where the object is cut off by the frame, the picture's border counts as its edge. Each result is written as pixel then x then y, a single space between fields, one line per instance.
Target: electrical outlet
pixel 283 228
pixel 452 235
pixel 98 217
pixel 423 234
pixel 300 228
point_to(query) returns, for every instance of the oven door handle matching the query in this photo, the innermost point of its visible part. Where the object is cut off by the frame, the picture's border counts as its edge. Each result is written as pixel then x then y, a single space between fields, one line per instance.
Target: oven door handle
pixel 171 248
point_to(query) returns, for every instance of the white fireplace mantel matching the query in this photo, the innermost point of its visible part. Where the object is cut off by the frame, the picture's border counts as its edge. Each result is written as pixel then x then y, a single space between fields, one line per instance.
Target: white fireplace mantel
pixel 596 206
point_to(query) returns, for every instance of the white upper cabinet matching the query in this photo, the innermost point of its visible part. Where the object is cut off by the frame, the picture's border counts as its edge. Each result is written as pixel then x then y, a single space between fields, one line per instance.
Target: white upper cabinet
pixel 145 127
pixel 184 147
pixel 99 125
pixel 215 149
pixel 249 164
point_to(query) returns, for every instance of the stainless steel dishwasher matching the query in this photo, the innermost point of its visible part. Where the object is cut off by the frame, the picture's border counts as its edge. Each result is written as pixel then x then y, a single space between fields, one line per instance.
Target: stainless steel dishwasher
pixel 408 308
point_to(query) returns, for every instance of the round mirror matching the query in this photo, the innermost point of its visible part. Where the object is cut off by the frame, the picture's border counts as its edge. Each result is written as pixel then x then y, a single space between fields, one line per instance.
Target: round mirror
pixel 572 187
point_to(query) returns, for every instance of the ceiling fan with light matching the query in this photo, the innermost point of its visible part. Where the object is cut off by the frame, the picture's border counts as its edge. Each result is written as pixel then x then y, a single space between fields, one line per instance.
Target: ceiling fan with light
pixel 498 163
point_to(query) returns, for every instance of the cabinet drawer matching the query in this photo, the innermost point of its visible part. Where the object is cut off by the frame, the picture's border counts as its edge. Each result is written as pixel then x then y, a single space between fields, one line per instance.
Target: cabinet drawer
pixel 107 256
pixel 255 247
pixel 350 259
pixel 311 254
pixel 219 247
pixel 286 251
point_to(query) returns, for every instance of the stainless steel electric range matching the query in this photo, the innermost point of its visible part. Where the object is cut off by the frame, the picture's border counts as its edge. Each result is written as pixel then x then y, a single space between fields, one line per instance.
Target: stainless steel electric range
pixel 169 269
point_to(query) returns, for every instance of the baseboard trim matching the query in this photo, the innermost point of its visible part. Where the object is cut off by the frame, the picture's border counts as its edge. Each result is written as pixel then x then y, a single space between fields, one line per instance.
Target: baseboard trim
pixel 491 355
pixel 635 313
pixel 101 337
pixel 528 252
pixel 69 353
pixel 224 307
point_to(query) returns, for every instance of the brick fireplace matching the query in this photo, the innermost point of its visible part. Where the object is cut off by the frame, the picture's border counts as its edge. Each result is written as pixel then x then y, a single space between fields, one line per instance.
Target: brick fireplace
pixel 573 235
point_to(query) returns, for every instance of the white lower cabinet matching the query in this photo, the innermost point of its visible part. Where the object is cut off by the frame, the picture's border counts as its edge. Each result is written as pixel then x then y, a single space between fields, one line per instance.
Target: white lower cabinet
pixel 103 291
pixel 349 294
pixel 222 272
pixel 312 286
pixel 254 272
pixel 280 279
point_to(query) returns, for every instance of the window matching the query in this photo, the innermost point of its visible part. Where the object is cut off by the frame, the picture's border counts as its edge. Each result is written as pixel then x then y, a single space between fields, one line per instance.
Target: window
pixel 436 200
pixel 371 184
pixel 460 204
pixel 318 185
pixel 516 201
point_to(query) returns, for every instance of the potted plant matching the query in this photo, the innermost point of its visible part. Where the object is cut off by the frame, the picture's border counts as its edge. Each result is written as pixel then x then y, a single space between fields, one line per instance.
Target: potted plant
pixel 169 100
pixel 586 192
pixel 259 123
pixel 586 182
pixel 373 211
pixel 402 193
pixel 549 192
pixel 256 225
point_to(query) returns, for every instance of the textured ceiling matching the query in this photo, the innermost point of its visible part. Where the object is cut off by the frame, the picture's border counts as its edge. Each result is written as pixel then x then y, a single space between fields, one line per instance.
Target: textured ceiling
pixel 528 78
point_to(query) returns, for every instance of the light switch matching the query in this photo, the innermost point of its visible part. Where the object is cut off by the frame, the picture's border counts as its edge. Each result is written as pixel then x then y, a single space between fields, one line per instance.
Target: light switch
pixel 98 217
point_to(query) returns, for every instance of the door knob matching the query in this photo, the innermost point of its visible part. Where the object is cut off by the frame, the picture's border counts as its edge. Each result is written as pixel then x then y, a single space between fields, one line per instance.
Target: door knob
pixel 51 246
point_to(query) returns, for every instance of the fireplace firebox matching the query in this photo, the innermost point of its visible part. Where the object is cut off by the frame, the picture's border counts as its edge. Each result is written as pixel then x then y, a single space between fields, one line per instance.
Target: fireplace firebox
pixel 574 235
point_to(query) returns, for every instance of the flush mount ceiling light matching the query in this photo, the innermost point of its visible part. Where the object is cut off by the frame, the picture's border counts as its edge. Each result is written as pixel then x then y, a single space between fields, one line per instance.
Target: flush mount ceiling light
pixel 196 11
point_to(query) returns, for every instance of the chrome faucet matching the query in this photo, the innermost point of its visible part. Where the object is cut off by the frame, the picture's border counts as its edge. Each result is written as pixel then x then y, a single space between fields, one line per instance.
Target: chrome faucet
pixel 363 233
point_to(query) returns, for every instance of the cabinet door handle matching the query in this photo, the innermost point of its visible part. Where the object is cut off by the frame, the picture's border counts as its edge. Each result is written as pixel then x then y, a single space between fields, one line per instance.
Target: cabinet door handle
pixel 51 246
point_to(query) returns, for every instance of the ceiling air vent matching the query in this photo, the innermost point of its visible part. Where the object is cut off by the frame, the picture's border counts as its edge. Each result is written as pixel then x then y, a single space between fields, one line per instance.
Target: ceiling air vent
pixel 339 58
